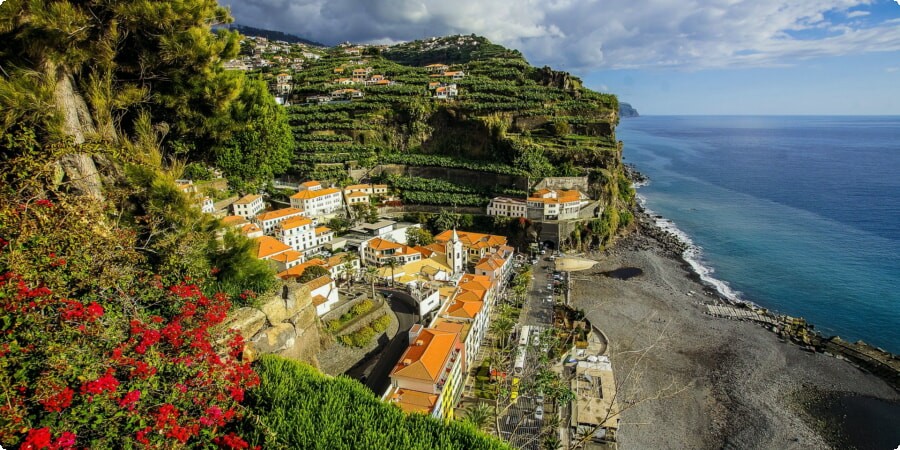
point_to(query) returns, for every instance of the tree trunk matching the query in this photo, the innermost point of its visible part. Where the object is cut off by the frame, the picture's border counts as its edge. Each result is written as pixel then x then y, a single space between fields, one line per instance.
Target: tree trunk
pixel 80 171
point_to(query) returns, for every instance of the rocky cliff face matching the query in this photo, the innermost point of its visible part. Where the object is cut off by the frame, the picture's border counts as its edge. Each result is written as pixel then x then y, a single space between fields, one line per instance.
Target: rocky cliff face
pixel 626 110
pixel 546 76
pixel 284 324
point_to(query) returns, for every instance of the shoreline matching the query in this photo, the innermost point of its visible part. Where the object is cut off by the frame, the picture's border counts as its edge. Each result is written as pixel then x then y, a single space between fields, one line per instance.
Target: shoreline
pixel 698 381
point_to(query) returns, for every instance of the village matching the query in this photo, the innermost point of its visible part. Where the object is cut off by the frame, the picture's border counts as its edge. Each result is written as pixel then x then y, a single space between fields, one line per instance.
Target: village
pixel 484 318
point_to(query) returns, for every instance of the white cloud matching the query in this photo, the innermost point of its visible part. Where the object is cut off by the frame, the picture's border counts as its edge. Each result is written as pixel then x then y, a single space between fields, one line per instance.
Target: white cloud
pixel 579 34
pixel 853 14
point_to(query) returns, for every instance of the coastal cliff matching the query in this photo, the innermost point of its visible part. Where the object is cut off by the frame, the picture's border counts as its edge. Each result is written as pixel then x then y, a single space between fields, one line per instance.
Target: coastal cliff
pixel 626 110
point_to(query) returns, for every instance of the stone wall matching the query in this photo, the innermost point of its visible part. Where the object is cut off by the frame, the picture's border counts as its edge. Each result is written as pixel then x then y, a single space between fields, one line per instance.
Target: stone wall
pixel 284 324
pixel 580 183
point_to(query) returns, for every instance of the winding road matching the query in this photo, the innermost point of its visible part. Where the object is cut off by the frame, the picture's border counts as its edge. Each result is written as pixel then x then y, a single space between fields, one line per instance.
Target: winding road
pixel 375 372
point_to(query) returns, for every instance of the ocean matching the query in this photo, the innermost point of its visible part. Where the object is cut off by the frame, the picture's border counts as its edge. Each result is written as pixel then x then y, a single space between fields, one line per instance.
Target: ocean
pixel 800 215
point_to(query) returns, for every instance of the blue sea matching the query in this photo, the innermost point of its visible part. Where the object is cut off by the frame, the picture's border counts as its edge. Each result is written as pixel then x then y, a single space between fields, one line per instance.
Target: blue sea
pixel 800 215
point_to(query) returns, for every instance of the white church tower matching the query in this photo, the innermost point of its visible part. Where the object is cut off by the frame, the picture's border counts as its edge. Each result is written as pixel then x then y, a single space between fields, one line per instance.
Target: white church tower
pixel 456 255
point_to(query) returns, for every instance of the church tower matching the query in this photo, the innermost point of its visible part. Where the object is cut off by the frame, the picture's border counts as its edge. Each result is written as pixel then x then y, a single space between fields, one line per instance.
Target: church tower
pixel 456 255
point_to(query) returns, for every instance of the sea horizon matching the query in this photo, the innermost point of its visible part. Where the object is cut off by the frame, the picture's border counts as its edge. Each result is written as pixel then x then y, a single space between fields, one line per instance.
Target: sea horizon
pixel 797 214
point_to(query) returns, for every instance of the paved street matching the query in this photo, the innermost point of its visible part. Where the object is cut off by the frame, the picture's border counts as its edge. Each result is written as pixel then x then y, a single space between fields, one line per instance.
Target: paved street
pixel 519 425
pixel 375 373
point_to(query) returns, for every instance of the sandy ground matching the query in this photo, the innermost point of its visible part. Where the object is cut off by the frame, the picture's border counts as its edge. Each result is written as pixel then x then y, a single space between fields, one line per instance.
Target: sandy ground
pixel 689 380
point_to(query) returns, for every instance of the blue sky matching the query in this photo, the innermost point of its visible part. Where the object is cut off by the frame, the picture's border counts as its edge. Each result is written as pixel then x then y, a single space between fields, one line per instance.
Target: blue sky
pixel 662 56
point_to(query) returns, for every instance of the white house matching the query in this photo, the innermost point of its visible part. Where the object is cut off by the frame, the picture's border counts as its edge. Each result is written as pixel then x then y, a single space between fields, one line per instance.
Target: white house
pixel 508 207
pixel 316 201
pixel 296 231
pixel 547 204
pixel 378 251
pixel 324 294
pixel 270 219
pixel 248 206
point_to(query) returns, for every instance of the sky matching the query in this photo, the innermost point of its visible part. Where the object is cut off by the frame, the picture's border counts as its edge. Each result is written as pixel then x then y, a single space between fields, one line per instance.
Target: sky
pixel 662 56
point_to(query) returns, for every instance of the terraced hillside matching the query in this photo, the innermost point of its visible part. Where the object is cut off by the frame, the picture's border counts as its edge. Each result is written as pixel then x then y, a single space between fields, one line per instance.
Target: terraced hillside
pixel 509 122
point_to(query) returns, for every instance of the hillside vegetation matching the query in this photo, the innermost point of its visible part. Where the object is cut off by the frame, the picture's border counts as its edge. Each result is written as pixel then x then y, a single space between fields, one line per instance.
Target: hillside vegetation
pixel 296 406
pixel 509 118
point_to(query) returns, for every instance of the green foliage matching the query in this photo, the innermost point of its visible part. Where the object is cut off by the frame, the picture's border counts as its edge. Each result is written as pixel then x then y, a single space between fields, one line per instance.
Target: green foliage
pixel 418 236
pixel 561 127
pixel 313 272
pixel 197 172
pixel 262 147
pixel 298 407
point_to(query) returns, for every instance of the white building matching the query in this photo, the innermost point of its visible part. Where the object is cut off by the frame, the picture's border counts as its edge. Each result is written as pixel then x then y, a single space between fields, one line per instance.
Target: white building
pixel 316 201
pixel 270 219
pixel 248 206
pixel 297 232
pixel 378 251
pixel 508 207
pixel 547 204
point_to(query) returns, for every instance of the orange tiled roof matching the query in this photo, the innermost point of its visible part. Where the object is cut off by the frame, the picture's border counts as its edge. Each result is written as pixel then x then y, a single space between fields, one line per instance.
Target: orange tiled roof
pixel 318 300
pixel 318 282
pixel 383 244
pixel 425 361
pixel 414 401
pixel 356 187
pixel 322 230
pixel 269 246
pixel 306 195
pixel 277 214
pixel 250 228
pixel 233 220
pixel 357 194
pixel 336 260
pixel 288 256
pixel 310 184
pixel 490 262
pixel 247 199
pixel 294 222
pixel 472 240
pixel 475 282
pixel 297 270
pixel 464 307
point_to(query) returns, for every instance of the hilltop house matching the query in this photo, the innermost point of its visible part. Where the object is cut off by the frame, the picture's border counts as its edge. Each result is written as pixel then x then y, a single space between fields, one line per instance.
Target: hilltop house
pixel 437 68
pixel 268 220
pixel 508 207
pixel 316 201
pixel 546 204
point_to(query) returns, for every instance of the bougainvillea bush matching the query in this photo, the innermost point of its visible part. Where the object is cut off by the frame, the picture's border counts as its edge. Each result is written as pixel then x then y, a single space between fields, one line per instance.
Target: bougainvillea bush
pixel 97 352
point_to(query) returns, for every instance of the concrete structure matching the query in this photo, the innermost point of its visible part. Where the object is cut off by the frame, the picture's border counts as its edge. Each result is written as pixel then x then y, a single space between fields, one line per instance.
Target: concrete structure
pixel 595 405
pixel 248 206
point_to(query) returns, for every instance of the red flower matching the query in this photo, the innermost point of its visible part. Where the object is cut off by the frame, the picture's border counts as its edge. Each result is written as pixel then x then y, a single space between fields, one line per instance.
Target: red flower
pixel 130 400
pixel 59 401
pixel 94 311
pixel 141 436
pixel 44 202
pixel 231 441
pixel 37 438
pixel 66 440
pixel 237 394
pixel 106 383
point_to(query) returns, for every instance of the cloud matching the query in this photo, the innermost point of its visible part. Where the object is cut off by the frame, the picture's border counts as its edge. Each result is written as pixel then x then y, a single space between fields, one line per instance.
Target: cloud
pixel 594 34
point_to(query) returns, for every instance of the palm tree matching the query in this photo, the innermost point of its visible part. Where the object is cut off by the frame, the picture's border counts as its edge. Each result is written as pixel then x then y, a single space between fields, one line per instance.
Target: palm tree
pixel 348 266
pixel 478 415
pixel 392 263
pixel 372 275
pixel 501 327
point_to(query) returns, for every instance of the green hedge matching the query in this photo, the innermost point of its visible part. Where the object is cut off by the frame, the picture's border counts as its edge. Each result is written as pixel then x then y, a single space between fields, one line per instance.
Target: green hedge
pixel 296 406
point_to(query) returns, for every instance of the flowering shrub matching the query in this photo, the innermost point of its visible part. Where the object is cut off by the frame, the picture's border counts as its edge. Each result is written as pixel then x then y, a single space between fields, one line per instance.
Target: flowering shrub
pixel 91 360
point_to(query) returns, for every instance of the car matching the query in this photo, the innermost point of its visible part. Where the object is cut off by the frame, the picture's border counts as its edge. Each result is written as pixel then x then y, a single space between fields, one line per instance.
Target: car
pixel 539 413
pixel 543 252
pixel 549 286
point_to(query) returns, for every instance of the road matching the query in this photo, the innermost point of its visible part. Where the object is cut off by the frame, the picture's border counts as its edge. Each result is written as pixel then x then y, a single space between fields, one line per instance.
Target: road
pixel 519 425
pixel 375 373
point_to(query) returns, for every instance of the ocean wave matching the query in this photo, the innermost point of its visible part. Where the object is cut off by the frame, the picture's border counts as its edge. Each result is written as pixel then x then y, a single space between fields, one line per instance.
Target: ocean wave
pixel 693 255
